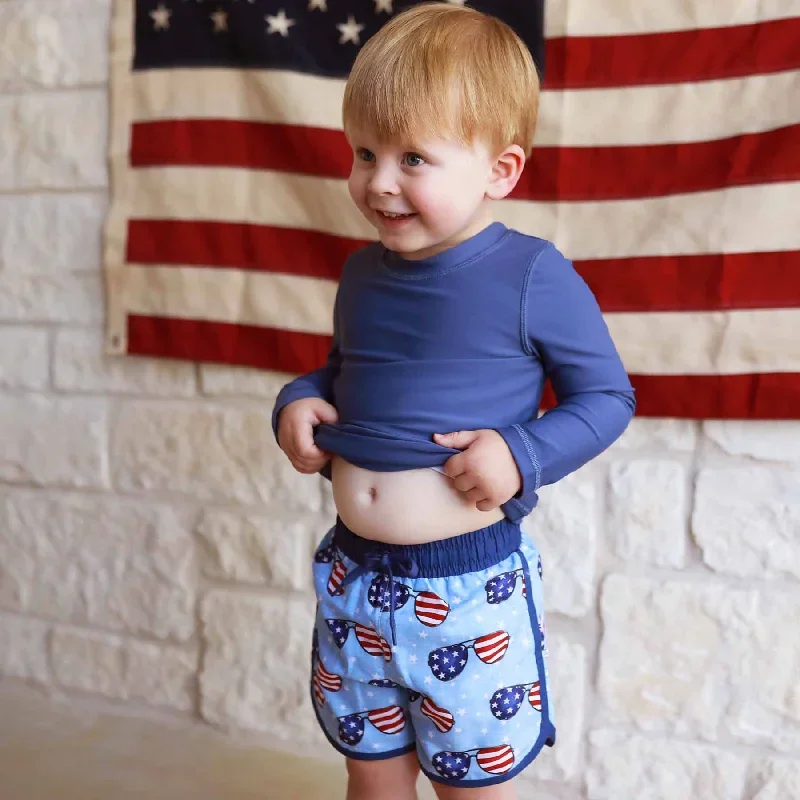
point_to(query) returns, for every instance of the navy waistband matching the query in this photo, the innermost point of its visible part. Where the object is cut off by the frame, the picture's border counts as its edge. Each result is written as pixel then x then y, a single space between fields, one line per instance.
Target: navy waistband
pixel 467 552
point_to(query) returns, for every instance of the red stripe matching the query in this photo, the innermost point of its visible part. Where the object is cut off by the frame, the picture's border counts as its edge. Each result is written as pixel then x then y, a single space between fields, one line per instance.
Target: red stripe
pixel 584 62
pixel 695 283
pixel 765 396
pixel 292 251
pixel 657 283
pixel 552 173
pixel 617 173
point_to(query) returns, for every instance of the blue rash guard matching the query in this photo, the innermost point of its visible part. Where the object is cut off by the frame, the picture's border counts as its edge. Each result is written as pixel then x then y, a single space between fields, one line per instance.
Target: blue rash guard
pixel 464 340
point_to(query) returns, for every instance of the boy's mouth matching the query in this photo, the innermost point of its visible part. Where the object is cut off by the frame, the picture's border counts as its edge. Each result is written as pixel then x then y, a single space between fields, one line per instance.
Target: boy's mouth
pixel 393 215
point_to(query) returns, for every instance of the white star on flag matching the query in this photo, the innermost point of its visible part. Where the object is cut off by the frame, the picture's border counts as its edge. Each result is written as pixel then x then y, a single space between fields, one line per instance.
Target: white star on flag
pixel 383 5
pixel 321 5
pixel 279 23
pixel 161 17
pixel 220 20
pixel 350 31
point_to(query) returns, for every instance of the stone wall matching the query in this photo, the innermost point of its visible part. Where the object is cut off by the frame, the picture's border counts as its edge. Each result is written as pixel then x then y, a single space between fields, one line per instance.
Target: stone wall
pixel 155 546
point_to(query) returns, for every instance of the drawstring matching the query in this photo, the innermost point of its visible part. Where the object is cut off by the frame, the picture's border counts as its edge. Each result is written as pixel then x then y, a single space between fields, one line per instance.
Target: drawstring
pixel 386 564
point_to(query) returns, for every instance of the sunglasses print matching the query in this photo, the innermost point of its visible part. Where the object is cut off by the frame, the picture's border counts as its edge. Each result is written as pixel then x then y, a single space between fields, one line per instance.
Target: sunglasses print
pixel 370 640
pixel 429 608
pixel 502 586
pixel 448 663
pixel 328 555
pixel 322 679
pixel 441 717
pixel 507 701
pixel 389 720
pixel 455 764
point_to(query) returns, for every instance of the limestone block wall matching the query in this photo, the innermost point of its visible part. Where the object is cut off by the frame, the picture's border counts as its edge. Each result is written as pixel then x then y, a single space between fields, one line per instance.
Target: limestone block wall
pixel 155 546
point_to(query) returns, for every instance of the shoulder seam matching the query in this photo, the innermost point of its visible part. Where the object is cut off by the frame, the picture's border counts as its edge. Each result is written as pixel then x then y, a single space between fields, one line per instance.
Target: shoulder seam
pixel 523 317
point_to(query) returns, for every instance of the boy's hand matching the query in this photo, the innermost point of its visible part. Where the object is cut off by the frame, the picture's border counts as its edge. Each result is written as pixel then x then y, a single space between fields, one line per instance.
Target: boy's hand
pixel 296 433
pixel 485 471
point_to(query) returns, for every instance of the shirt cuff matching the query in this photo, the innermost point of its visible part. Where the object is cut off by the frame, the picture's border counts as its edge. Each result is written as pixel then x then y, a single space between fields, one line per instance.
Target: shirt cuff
pixel 523 452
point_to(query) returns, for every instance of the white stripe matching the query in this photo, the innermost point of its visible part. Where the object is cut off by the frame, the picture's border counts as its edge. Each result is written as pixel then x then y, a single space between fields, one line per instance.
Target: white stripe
pixel 675 343
pixel 732 342
pixel 682 112
pixel 249 298
pixel 738 220
pixel 591 18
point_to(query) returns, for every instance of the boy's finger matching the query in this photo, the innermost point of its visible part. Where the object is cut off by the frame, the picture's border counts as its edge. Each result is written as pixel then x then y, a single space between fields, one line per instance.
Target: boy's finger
pixel 454 466
pixel 476 495
pixel 464 482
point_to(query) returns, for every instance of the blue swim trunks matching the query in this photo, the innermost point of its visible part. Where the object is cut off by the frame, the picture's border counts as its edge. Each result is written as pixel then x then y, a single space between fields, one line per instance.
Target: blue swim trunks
pixel 438 648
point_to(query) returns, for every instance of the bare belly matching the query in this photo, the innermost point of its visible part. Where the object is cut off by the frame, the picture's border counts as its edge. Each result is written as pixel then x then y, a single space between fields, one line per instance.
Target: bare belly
pixel 409 507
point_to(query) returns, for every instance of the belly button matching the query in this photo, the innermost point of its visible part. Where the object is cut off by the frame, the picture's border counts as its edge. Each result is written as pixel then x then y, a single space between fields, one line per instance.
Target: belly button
pixel 373 493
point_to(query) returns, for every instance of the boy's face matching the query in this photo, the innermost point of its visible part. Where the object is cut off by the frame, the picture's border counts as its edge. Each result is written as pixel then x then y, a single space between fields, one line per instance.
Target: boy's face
pixel 437 186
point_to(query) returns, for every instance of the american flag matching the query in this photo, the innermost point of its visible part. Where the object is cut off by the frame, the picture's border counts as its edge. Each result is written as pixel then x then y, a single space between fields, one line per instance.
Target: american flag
pixel 501 587
pixel 492 647
pixel 441 717
pixel 430 609
pixel 506 702
pixel 666 165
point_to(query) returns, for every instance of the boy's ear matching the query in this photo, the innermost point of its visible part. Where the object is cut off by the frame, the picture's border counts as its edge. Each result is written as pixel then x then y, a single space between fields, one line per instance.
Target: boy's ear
pixel 506 171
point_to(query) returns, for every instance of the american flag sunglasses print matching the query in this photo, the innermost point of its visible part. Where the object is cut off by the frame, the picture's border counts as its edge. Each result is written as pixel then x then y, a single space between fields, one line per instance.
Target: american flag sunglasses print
pixel 429 608
pixel 441 717
pixel 323 679
pixel 502 586
pixel 507 701
pixel 448 662
pixel 455 764
pixel 331 554
pixel 370 640
pixel 389 720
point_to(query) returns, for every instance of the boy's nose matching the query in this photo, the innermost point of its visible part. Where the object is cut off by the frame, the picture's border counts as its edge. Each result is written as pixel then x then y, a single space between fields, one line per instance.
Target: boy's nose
pixel 383 181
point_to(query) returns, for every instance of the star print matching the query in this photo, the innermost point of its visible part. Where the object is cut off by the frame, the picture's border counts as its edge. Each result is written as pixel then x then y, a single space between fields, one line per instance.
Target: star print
pixel 383 5
pixel 461 712
pixel 458 730
pixel 370 694
pixel 429 680
pixel 161 17
pixel 423 635
pixel 322 5
pixel 430 736
pixel 350 31
pixel 412 659
pixel 279 23
pixel 484 731
pixel 479 618
pixel 220 20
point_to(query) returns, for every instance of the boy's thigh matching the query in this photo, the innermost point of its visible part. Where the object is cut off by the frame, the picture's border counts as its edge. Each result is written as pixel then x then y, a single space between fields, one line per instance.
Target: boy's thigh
pixel 483 711
pixel 400 773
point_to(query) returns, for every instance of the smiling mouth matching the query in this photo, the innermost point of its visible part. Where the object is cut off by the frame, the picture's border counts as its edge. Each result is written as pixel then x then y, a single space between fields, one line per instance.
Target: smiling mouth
pixel 392 215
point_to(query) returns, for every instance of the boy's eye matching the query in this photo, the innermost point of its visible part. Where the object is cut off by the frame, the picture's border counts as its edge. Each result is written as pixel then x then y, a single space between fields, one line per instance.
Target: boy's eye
pixel 365 155
pixel 413 159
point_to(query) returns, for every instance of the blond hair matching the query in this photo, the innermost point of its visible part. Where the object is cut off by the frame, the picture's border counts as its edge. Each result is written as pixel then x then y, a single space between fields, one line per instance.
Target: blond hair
pixel 445 70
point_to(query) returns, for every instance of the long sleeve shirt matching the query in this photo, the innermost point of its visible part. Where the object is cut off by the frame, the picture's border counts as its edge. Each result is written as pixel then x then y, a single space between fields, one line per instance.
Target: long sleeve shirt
pixel 465 340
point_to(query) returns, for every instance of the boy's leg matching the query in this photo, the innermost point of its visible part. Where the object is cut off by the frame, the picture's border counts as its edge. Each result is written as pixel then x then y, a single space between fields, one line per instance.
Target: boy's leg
pixel 500 791
pixel 391 779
